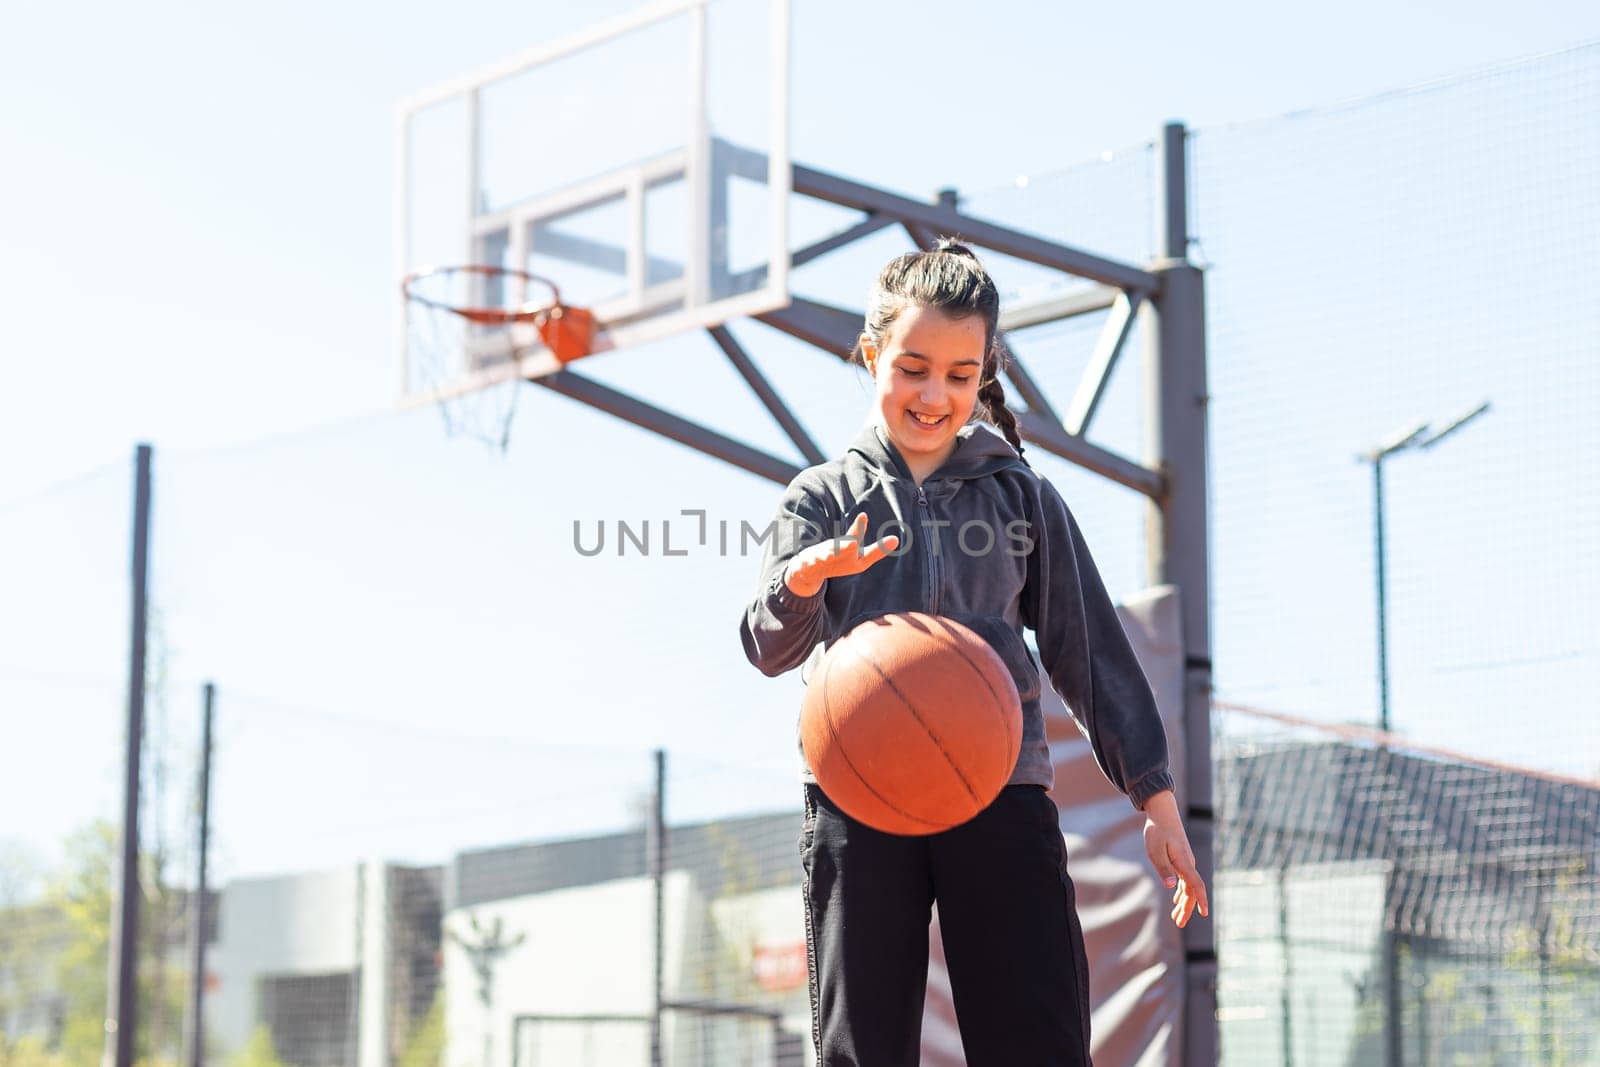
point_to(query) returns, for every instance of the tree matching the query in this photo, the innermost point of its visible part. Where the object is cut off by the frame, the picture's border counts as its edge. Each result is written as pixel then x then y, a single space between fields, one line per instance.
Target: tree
pixel 57 953
pixel 26 928
pixel 257 1052
pixel 426 1044
pixel 29 1052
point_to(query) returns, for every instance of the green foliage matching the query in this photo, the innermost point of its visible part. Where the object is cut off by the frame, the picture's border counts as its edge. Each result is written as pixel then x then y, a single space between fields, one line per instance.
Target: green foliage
pixel 426 1043
pixel 62 947
pixel 82 895
pixel 257 1052
pixel 30 1052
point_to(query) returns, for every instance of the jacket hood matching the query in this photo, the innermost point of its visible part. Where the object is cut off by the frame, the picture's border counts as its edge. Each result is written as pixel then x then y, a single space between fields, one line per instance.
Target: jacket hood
pixel 979 452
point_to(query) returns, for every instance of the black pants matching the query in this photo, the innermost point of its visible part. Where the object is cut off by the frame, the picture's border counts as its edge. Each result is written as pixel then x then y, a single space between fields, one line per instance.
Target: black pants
pixel 1009 921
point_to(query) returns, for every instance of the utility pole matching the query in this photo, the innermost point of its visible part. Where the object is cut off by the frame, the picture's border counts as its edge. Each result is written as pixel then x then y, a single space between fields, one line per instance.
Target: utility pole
pixel 197 982
pixel 122 1020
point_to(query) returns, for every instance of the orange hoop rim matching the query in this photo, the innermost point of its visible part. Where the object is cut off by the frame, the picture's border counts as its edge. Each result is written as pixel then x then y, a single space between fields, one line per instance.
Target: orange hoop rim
pixel 529 311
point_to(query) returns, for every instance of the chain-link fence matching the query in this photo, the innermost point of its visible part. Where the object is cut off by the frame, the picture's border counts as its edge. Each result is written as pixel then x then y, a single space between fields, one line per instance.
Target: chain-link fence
pixel 1379 902
pixel 1425 897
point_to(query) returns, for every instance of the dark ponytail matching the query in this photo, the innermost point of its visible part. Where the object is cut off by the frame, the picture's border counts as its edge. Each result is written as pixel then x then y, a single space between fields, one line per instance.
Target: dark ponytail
pixel 951 279
pixel 992 395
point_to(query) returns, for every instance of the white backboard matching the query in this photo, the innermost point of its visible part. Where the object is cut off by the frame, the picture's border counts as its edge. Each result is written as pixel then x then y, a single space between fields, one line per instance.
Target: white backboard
pixel 642 165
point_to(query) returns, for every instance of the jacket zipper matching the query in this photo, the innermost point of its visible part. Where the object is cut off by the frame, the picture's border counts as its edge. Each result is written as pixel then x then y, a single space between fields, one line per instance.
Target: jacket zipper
pixel 933 552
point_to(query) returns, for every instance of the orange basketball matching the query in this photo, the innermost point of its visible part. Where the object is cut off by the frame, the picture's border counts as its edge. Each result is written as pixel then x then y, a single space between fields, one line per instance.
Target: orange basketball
pixel 912 724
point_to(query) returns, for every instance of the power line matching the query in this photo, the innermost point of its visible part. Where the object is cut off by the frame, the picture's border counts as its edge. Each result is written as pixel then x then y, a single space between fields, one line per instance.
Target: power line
pixel 70 482
pixel 207 452
pixel 288 437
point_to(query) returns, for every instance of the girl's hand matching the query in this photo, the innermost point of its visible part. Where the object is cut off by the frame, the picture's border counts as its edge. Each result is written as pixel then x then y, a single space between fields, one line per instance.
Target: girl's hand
pixel 834 558
pixel 1168 848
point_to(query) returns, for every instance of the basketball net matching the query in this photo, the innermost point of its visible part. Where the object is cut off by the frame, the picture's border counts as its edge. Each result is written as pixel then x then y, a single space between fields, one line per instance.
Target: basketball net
pixel 474 334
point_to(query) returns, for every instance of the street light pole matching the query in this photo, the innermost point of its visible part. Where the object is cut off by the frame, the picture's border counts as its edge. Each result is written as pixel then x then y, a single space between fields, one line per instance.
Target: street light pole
pixel 1415 437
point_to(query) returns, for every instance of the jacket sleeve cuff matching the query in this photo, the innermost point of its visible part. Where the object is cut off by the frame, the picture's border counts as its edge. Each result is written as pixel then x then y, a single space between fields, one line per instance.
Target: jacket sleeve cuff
pixel 778 591
pixel 1155 782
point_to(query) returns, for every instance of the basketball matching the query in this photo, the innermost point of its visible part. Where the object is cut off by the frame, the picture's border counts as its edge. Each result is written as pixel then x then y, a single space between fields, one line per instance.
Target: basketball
pixel 912 724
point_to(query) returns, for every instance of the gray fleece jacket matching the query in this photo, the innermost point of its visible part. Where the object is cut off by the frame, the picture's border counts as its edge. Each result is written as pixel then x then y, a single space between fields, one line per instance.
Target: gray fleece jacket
pixel 985 541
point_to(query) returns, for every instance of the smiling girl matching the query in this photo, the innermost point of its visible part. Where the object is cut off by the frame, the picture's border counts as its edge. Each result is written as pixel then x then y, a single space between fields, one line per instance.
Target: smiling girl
pixel 931 465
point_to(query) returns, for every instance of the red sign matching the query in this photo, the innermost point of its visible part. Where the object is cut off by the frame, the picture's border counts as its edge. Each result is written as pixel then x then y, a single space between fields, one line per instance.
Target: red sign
pixel 780 968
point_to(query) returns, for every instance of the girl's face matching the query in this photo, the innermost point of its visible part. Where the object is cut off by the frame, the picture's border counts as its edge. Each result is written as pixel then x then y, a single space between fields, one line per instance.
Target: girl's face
pixel 927 374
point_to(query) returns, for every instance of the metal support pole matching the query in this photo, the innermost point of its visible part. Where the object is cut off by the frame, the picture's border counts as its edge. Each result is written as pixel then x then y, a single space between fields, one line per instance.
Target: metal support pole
pixel 1547 1028
pixel 122 1022
pixel 1383 594
pixel 657 840
pixel 1179 552
pixel 197 980
pixel 1393 1054
pixel 1389 965
pixel 1419 436
pixel 1286 996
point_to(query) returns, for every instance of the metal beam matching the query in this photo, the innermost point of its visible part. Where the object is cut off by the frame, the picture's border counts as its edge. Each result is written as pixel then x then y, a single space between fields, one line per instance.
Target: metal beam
pixel 835 330
pixel 677 428
pixel 769 396
pixel 1055 308
pixel 612 259
pixel 1097 374
pixel 865 228
pixel 924 237
pixel 1053 439
pixel 842 191
pixel 921 236
pixel 1026 387
pixel 831 329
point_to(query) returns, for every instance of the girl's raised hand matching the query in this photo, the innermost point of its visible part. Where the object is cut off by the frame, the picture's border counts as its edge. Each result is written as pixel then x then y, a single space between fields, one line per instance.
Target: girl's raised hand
pixel 835 558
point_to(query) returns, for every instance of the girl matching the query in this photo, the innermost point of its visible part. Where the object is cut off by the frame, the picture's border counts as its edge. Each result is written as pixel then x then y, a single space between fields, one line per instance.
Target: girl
pixel 924 467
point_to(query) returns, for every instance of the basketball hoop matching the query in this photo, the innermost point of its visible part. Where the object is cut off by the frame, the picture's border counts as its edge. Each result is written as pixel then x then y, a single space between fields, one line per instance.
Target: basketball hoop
pixel 480 330
pixel 566 331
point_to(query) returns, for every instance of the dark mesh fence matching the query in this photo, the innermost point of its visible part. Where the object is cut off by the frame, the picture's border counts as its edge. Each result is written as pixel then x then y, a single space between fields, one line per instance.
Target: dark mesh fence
pixel 1357 872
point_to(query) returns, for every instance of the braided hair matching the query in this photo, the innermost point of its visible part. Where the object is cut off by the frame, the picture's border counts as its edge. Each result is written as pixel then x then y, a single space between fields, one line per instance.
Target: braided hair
pixel 951 279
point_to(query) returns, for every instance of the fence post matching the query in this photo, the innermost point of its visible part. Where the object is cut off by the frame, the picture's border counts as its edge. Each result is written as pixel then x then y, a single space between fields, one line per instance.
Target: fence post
pixel 657 858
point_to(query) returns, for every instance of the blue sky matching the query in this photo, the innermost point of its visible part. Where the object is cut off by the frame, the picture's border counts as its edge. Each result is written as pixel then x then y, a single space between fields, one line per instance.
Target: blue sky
pixel 195 218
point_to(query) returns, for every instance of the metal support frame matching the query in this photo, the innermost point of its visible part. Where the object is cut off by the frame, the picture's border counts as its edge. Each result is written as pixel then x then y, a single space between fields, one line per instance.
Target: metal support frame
pixel 769 396
pixel 1123 288
pixel 674 427
pixel 1169 298
pixel 865 228
pixel 946 219
pixel 1097 375
pixel 1175 363
pixel 1025 386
